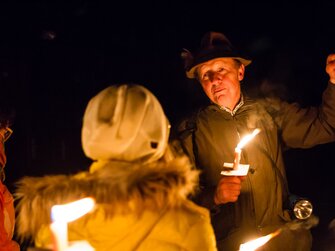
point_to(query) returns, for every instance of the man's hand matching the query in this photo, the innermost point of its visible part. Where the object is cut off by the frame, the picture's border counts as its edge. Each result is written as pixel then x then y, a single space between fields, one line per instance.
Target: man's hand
pixel 228 189
pixel 330 68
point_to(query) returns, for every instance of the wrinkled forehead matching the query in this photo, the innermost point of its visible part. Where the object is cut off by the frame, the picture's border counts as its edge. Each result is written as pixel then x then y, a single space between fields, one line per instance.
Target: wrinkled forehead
pixel 216 63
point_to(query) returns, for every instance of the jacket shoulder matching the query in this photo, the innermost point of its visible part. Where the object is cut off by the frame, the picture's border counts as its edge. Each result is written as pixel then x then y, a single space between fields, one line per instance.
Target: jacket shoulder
pixel 188 124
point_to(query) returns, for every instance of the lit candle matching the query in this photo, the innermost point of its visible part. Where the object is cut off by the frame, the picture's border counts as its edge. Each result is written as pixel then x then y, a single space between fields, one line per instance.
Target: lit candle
pixel 243 142
pixel 62 214
pixel 254 244
pixel 59 230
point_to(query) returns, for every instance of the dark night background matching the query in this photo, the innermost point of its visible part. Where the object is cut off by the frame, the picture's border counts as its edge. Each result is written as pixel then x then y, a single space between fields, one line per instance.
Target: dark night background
pixel 55 56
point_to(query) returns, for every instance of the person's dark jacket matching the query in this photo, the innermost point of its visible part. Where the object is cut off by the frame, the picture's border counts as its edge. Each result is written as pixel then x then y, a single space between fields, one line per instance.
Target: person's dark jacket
pixel 210 137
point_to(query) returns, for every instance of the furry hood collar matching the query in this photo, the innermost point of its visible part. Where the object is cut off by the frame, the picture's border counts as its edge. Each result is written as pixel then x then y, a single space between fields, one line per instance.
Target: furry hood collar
pixel 117 187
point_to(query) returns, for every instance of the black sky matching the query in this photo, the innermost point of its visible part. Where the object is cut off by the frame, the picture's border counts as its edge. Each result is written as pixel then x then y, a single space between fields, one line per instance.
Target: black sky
pixel 55 56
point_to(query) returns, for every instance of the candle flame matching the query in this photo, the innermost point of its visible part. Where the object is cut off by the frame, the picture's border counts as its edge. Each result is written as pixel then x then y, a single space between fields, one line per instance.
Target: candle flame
pixel 254 244
pixel 72 211
pixel 247 138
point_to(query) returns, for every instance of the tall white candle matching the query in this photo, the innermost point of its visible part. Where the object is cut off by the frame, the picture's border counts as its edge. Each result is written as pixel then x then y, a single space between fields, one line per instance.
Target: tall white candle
pixel 237 158
pixel 59 233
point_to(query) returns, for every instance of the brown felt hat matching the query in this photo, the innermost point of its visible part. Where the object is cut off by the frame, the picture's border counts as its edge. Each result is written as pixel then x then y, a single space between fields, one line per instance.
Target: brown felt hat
pixel 213 45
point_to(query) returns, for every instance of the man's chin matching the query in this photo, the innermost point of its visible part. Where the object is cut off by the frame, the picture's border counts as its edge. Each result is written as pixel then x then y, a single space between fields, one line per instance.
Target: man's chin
pixel 221 100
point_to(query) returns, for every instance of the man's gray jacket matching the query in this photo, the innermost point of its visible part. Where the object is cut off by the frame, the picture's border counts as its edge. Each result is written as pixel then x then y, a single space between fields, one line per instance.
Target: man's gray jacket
pixel 210 137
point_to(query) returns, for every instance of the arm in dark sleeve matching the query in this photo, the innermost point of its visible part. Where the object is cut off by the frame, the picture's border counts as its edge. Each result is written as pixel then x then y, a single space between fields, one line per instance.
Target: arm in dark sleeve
pixel 306 127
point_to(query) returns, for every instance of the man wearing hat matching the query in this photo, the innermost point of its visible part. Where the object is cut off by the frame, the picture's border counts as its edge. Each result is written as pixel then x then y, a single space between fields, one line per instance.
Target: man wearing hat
pixel 250 206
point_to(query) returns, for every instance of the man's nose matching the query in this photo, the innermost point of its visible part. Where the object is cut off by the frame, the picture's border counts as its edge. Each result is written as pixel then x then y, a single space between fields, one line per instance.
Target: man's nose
pixel 214 76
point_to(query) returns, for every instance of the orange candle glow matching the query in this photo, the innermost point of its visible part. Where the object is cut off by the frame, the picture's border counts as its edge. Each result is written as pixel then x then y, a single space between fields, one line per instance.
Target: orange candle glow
pixel 254 244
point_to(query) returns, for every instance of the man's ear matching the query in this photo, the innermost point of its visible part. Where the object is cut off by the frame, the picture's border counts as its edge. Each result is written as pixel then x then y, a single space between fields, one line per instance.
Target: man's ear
pixel 241 70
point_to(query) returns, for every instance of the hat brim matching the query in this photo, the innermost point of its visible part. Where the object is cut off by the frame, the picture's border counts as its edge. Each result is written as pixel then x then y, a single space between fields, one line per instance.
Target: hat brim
pixel 192 72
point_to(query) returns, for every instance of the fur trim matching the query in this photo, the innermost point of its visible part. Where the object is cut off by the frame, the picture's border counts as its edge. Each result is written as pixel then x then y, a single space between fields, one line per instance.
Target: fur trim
pixel 118 187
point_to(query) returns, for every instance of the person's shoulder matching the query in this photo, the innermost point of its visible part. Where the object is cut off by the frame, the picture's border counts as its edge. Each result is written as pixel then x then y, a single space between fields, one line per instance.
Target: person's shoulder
pixel 268 103
pixel 188 122
pixel 190 214
pixel 193 209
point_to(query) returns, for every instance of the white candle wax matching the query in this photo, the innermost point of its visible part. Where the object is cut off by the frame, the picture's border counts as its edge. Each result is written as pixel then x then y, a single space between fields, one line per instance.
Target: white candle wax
pixel 237 158
pixel 59 231
pixel 80 246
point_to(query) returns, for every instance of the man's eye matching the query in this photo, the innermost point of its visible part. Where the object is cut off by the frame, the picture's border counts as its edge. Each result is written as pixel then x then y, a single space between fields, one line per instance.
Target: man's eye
pixel 205 76
pixel 220 69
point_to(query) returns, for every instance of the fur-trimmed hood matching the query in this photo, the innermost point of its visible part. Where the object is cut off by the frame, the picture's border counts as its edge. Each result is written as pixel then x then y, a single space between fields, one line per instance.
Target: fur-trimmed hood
pixel 119 187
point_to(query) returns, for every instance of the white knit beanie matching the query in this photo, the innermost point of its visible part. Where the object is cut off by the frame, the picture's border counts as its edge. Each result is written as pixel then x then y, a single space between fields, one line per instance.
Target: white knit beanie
pixel 125 123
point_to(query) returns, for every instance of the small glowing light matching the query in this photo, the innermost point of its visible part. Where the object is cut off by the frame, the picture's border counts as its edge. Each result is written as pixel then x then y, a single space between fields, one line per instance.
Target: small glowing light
pixel 72 211
pixel 254 244
pixel 247 138
pixel 238 149
pixel 61 215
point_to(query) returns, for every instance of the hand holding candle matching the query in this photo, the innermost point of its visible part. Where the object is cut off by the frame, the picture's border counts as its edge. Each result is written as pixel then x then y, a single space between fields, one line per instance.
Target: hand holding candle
pixel 228 189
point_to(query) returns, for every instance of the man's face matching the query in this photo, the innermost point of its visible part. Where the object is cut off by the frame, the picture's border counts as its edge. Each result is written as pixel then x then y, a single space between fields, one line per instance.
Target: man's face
pixel 220 79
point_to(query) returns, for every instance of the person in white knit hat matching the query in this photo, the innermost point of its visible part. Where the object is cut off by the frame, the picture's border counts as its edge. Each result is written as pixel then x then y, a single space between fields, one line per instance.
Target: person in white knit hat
pixel 140 186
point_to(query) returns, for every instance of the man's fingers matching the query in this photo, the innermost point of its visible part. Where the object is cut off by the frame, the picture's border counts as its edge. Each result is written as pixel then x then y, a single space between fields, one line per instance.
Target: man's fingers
pixel 231 186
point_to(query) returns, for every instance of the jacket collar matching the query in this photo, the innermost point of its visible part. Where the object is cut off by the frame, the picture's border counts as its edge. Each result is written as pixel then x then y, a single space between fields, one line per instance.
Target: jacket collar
pixel 233 112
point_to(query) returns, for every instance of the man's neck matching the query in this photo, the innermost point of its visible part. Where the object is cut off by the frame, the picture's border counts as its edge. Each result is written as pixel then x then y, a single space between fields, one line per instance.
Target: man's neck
pixel 237 106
